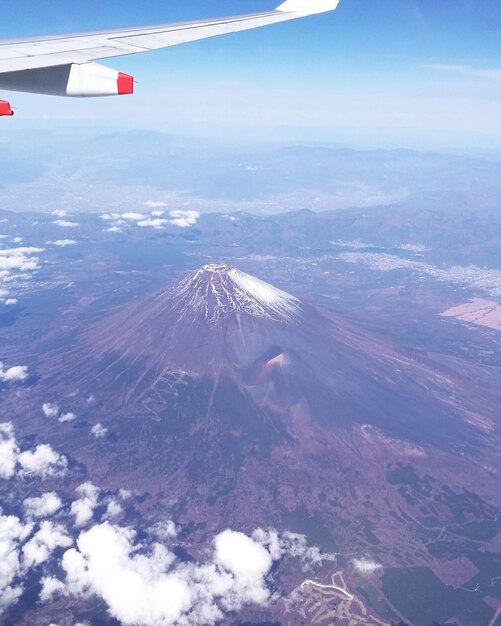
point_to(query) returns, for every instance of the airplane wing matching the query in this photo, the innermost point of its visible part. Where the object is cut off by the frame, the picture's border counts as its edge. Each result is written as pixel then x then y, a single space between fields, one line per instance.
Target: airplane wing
pixel 64 65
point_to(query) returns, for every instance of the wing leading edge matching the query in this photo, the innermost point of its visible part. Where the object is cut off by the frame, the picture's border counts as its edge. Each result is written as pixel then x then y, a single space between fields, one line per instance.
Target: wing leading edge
pixel 64 64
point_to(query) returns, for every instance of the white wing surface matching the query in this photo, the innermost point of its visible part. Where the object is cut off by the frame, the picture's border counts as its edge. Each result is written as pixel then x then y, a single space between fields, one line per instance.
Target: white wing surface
pixel 35 52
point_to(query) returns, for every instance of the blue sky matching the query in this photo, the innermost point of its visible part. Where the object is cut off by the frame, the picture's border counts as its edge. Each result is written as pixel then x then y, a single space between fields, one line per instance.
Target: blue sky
pixel 389 73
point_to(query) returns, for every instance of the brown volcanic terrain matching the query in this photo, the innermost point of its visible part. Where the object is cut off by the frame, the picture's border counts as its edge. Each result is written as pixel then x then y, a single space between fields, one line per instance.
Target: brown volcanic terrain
pixel 228 402
pixel 298 362
pixel 248 406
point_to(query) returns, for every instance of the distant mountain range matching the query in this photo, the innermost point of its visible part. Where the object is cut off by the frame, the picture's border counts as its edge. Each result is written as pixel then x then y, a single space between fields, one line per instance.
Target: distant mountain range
pixel 86 173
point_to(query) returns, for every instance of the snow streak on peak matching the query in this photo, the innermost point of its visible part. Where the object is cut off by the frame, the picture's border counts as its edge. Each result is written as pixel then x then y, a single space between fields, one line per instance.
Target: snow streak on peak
pixel 217 291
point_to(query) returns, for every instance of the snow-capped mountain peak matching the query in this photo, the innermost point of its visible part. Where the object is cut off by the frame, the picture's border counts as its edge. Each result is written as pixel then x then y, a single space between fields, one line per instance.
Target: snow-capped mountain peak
pixel 216 291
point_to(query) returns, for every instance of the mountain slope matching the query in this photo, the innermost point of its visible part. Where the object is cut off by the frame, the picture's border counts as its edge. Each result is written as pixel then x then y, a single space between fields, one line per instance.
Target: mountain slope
pixel 295 362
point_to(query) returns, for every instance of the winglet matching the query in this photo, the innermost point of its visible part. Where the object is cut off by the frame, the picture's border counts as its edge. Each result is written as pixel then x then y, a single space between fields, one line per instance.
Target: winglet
pixel 308 7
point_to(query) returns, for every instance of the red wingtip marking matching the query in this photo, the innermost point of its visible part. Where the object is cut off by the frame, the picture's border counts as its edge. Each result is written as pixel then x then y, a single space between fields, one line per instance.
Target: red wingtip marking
pixel 125 84
pixel 5 108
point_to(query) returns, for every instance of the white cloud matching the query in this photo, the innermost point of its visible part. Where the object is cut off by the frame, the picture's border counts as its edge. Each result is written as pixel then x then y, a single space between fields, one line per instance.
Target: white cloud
pixel 249 563
pixel 15 373
pixel 44 506
pixel 83 508
pixel 12 531
pixel 153 223
pixel 184 219
pixel 113 510
pixel 43 543
pixel 43 462
pixel 20 251
pixel 293 545
pixel 142 585
pixel 17 266
pixel 59 213
pixel 50 409
pixel 150 587
pixel 114 229
pixel 133 217
pixel 21 550
pixel 9 451
pixel 67 417
pixel 20 259
pixel 66 224
pixel 165 530
pixel 99 431
pixel 40 462
pixel 62 243
pixel 156 219
pixel 366 566
pixel 51 587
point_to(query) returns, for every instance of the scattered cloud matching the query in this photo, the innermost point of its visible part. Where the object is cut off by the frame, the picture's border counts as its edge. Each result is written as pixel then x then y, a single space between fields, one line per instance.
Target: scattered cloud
pixel 164 530
pixel 113 510
pixel 12 532
pixel 17 266
pixel 62 243
pixel 292 545
pixel 22 547
pixel 184 219
pixel 43 506
pixel 134 217
pixel 15 373
pixel 41 462
pixel 99 431
pixel 156 219
pixel 83 508
pixel 153 223
pixel 20 259
pixel 59 213
pixel 51 587
pixel 150 587
pixel 43 543
pixel 66 224
pixel 50 409
pixel 9 451
pixel 67 417
pixel 142 583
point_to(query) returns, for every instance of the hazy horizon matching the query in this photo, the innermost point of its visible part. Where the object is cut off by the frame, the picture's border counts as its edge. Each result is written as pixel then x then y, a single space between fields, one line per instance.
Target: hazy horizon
pixel 387 74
